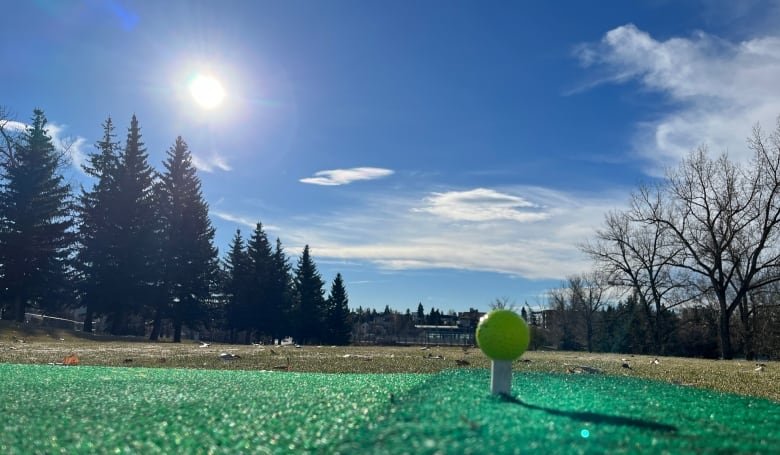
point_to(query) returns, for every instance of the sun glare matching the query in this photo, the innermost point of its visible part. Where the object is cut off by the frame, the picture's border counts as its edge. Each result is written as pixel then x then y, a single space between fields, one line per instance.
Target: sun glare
pixel 207 91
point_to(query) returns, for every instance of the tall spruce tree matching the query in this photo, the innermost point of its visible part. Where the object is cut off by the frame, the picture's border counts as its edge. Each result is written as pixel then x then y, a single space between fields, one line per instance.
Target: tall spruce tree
pixel 189 258
pixel 35 225
pixel 138 246
pixel 98 232
pixel 261 259
pixel 280 292
pixel 310 298
pixel 237 276
pixel 337 313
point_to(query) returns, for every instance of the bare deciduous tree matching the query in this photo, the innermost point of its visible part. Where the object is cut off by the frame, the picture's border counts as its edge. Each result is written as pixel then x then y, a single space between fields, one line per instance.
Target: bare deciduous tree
pixel 502 303
pixel 588 294
pixel 723 221
pixel 638 257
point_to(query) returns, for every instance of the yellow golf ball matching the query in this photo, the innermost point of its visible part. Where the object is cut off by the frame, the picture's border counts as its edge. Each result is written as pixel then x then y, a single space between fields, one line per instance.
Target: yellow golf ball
pixel 503 335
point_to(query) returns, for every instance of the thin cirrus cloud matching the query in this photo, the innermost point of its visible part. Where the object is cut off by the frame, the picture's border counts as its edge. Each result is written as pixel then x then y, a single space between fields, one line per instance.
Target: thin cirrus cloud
pixel 241 220
pixel 335 177
pixel 718 89
pixel 482 204
pixel 210 163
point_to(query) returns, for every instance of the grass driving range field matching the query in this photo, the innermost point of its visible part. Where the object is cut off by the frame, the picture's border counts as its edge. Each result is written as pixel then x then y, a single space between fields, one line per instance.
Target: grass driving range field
pixel 138 397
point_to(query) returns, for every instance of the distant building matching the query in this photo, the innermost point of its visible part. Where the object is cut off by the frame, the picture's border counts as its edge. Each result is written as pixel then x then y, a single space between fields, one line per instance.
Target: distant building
pixel 469 319
pixel 444 334
pixel 455 329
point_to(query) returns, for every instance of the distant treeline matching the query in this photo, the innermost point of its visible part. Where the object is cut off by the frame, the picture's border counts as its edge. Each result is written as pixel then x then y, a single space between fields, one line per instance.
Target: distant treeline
pixel 566 324
pixel 135 249
pixel 632 328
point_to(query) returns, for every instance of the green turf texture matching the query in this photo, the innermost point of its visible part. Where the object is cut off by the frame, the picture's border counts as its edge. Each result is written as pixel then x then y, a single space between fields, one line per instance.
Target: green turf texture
pixel 53 409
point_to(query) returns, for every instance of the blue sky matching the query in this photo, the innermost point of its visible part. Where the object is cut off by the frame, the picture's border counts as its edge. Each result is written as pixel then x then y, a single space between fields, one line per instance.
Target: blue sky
pixel 443 152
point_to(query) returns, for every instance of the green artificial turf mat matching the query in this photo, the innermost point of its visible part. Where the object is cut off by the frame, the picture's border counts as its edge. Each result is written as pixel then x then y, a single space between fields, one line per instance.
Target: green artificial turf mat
pixel 52 409
pixel 453 413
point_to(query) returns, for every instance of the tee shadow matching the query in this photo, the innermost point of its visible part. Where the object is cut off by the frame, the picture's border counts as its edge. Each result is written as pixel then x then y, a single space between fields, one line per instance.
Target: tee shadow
pixel 595 417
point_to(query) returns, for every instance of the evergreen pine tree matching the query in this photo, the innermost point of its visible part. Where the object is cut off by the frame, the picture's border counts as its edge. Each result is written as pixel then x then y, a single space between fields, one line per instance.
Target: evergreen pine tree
pixel 237 274
pixel 261 259
pixel 138 243
pixel 188 253
pixel 280 291
pixel 434 317
pixel 310 299
pixel 35 222
pixel 337 315
pixel 98 233
pixel 630 330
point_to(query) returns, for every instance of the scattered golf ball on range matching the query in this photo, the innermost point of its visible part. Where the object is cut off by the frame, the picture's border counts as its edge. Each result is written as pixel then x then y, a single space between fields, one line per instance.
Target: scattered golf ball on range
pixel 503 336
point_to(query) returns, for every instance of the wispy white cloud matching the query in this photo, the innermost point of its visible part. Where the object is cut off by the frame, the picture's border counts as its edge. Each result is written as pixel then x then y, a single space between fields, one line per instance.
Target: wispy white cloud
pixel 716 89
pixel 398 235
pixel 210 162
pixel 481 204
pixel 345 176
pixel 242 220
pixel 74 146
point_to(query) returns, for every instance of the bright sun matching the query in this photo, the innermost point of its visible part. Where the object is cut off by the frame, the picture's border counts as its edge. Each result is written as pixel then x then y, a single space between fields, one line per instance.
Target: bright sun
pixel 207 91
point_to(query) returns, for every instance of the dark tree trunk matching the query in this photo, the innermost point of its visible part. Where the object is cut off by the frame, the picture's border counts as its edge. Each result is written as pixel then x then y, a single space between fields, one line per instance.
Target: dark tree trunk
pixel 177 325
pixel 725 335
pixel 119 323
pixel 657 321
pixel 18 309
